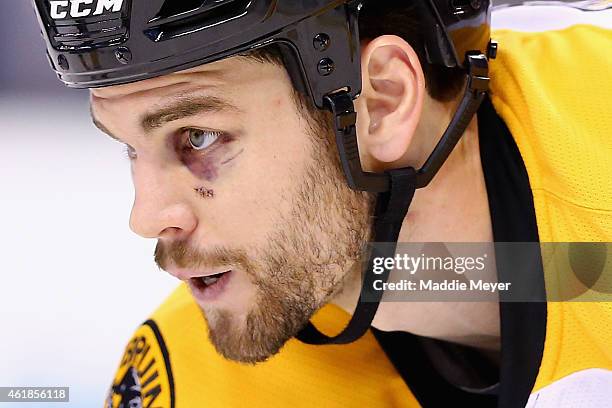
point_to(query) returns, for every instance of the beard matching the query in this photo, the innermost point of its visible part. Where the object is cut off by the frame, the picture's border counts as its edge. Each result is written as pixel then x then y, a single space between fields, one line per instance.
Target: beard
pixel 304 263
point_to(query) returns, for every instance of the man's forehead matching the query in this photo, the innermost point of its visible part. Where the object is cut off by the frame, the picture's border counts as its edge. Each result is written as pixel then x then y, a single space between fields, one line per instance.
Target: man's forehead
pixel 213 74
pixel 218 87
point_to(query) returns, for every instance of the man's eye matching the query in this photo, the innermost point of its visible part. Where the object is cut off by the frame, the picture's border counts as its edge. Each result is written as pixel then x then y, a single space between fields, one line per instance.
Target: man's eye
pixel 201 139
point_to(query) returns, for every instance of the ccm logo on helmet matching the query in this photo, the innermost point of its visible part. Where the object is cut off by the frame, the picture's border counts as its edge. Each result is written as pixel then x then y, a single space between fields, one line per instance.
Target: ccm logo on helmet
pixel 82 8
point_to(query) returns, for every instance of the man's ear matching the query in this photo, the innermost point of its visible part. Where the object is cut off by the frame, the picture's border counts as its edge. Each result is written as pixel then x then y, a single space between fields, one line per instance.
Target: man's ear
pixel 392 98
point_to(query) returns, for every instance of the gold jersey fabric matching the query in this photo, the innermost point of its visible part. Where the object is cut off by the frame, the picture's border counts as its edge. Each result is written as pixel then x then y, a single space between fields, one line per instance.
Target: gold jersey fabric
pixel 552 91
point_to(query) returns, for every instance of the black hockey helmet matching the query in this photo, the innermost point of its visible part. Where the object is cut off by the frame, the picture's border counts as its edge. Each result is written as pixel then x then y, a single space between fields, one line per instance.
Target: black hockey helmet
pixel 96 43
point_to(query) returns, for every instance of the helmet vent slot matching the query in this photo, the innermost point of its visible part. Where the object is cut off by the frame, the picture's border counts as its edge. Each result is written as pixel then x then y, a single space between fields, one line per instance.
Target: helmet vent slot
pixel 179 18
pixel 172 8
pixel 89 35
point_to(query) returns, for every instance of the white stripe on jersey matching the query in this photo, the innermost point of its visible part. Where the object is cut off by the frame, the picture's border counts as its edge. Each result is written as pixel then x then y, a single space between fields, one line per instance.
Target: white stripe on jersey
pixel 591 388
pixel 552 15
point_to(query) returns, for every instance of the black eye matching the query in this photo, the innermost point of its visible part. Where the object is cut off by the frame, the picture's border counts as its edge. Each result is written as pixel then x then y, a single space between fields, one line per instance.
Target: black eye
pixel 201 139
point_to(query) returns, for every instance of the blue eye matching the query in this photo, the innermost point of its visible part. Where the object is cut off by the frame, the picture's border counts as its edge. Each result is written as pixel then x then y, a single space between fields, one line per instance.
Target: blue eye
pixel 201 139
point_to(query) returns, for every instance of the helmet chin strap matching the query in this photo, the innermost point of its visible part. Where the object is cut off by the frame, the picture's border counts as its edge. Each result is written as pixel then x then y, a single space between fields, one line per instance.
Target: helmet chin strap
pixel 396 190
pixel 391 209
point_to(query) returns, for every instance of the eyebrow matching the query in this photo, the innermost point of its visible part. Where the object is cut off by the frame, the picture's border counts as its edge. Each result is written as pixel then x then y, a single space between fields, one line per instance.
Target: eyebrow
pixel 185 108
pixel 179 109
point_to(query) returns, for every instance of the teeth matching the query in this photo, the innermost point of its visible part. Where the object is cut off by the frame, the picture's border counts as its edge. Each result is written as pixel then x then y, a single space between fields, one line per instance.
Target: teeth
pixel 209 280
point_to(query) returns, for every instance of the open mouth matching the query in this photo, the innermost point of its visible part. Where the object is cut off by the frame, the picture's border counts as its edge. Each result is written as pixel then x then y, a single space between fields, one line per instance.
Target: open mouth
pixel 209 287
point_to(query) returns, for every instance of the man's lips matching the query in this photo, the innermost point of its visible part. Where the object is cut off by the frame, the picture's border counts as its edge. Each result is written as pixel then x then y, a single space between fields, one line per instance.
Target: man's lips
pixel 188 274
pixel 210 287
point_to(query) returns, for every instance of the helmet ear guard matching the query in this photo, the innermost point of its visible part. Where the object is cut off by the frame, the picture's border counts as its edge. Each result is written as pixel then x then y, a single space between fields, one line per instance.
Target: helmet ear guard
pixel 97 43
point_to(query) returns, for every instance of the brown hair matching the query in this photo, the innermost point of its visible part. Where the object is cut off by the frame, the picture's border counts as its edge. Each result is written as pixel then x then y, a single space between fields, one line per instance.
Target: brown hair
pixel 400 18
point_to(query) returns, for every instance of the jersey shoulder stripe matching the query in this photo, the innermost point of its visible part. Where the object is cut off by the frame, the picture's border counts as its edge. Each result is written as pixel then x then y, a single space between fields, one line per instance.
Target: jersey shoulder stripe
pixel 538 16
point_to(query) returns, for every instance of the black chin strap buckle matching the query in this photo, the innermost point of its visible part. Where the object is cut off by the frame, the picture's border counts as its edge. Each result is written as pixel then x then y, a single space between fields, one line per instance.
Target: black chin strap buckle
pixel 478 73
pixel 345 118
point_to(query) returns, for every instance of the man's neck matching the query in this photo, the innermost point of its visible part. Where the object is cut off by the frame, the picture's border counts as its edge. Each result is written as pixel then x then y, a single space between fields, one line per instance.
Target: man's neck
pixel 453 208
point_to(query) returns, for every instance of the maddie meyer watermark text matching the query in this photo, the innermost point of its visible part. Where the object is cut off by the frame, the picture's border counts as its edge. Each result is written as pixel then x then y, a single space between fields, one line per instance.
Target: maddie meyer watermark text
pixel 499 271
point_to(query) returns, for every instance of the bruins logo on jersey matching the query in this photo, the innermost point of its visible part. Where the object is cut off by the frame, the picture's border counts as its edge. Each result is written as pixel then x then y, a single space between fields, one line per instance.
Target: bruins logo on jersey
pixel 144 377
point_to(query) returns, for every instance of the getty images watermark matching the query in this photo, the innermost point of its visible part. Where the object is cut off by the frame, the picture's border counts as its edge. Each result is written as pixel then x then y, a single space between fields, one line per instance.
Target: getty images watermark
pixel 501 271
pixel 458 265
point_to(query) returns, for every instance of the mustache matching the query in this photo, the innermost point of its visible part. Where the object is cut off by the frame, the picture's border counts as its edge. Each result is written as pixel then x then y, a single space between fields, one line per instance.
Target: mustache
pixel 184 256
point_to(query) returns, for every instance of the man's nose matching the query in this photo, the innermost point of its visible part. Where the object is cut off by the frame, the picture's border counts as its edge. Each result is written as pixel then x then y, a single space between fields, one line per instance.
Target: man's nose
pixel 160 209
